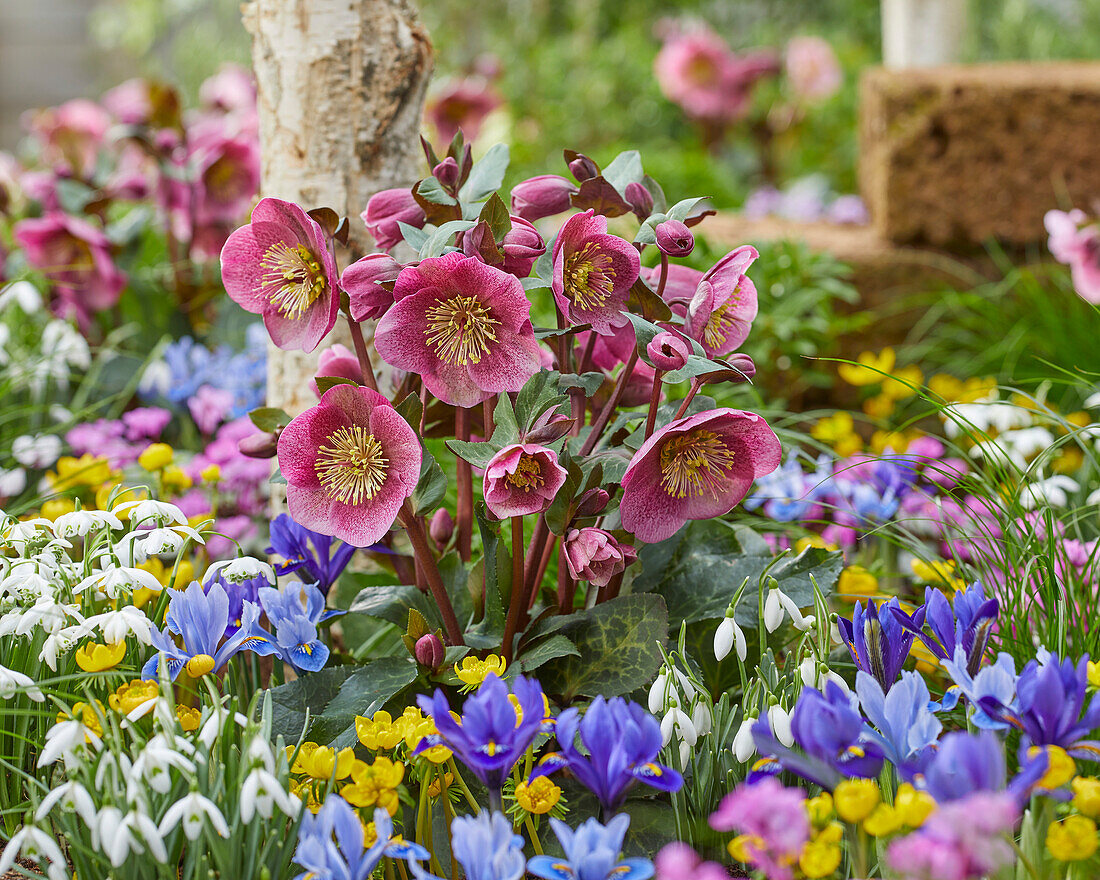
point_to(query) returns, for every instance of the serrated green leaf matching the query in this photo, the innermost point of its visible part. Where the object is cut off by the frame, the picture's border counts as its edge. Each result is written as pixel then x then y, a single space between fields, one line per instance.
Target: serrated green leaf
pixel 495 213
pixel 477 454
pixel 269 418
pixel 538 395
pixel 487 175
pixel 506 427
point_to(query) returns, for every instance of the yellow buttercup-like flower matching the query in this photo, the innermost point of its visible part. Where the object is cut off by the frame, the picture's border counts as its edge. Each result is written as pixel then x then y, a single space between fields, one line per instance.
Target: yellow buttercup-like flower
pixel 87 715
pixel 94 657
pixel 1094 674
pixel 132 694
pixel 838 431
pixel 156 456
pixel 539 796
pixel 743 845
pixel 379 731
pixel 473 671
pixel 820 808
pixel 211 473
pixel 418 728
pixel 188 718
pixel 439 785
pixel 1073 839
pixel 88 470
pixel 854 799
pixel 1061 768
pixel 913 806
pixel 883 820
pixel 903 382
pixel 1086 795
pixel 319 762
pixel 856 582
pixel 869 368
pixel 879 407
pixel 176 479
pixel 375 784
pixel 56 507
pixel 938 573
pixel 819 859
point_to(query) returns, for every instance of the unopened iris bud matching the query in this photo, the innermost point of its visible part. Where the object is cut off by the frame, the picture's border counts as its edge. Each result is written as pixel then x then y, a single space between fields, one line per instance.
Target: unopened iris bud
pixel 583 168
pixel 541 196
pixel 668 351
pixel 429 651
pixel 441 527
pixel 640 200
pixel 446 172
pixel 259 445
pixel 674 238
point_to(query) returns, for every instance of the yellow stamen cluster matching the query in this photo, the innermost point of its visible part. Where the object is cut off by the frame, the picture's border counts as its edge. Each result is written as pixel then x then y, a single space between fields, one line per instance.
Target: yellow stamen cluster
pixel 589 277
pixel 528 474
pixel 460 330
pixel 351 465
pixel 695 464
pixel 296 275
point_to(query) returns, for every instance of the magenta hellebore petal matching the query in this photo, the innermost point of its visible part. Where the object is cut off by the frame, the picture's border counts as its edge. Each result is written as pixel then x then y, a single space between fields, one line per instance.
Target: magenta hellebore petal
pixel 681 282
pixel 722 310
pixel 594 555
pixel 463 326
pixel 541 196
pixel 279 266
pixel 228 176
pixel 695 468
pixel 522 246
pixel 388 208
pixel 668 351
pixel 593 273
pixel 674 239
pixel 522 479
pixel 362 281
pixel 349 462
pixel 338 360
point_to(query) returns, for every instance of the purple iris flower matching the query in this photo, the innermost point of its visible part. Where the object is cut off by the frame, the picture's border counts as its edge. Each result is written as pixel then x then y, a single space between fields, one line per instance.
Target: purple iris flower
pixel 903 725
pixel 877 641
pixel 305 549
pixel 829 729
pixel 968 762
pixel 591 853
pixel 238 591
pixel 294 612
pixel 1050 706
pixel 996 681
pixel 967 621
pixel 486 847
pixel 490 737
pixel 622 741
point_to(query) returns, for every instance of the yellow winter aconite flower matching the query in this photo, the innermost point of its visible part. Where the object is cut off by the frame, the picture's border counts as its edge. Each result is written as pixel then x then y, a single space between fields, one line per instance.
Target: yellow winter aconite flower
pixel 1073 839
pixel 94 657
pixel 473 671
pixel 820 808
pixel 319 762
pixel 439 785
pixel 854 799
pixel 176 479
pixel 131 695
pixel 87 715
pixel 938 573
pixel 743 845
pixel 838 431
pixel 903 382
pixel 879 407
pixel 374 784
pixel 211 473
pixel 156 456
pixel 1060 766
pixel 378 731
pixel 416 728
pixel 88 470
pixel 306 791
pixel 883 820
pixel 856 582
pixel 188 718
pixel 1086 795
pixel 1094 674
pixel 813 541
pixel 819 859
pixel 913 806
pixel 869 367
pixel 56 507
pixel 539 796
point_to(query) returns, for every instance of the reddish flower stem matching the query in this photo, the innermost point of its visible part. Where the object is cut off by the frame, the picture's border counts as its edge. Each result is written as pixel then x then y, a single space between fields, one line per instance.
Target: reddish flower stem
pixel 604 417
pixel 487 408
pixel 465 478
pixel 540 573
pixel 696 384
pixel 423 552
pixel 538 541
pixel 365 365
pixel 654 402
pixel 566 585
pixel 515 601
pixel 586 355
pixel 664 274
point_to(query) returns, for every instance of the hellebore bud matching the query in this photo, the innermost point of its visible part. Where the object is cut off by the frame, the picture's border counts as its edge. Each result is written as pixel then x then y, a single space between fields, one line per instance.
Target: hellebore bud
pixel 668 351
pixel 362 281
pixel 583 168
pixel 541 196
pixel 388 208
pixel 674 238
pixel 592 502
pixel 260 445
pixel 447 172
pixel 742 369
pixel 441 527
pixel 548 427
pixel 640 200
pixel 522 246
pixel 594 555
pixel 429 651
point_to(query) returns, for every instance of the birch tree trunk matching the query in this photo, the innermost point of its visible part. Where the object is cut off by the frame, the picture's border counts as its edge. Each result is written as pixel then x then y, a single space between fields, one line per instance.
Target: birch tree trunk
pixel 341 93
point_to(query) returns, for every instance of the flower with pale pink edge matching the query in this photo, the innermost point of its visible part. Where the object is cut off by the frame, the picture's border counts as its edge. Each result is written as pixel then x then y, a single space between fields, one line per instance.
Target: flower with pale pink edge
pixel 775 820
pixel 76 257
pixel 228 176
pixel 231 89
pixel 363 281
pixel 279 266
pixel 678 861
pixel 71 135
pixel 337 360
pixel 349 462
pixel 593 273
pixel 462 105
pixel 695 468
pixel 386 210
pixel 522 479
pixel 463 326
pixel 812 69
pixel 1078 246
pixel 542 196
pixel 724 305
pixel 594 555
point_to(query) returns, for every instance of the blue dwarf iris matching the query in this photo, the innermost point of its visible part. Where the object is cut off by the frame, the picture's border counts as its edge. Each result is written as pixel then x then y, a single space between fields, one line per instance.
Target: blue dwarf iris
pixel 967 621
pixel 968 762
pixel 330 844
pixel 309 552
pixel 591 853
pixel 622 741
pixel 492 734
pixel 294 612
pixel 995 683
pixel 487 847
pixel 903 725
pixel 829 729
pixel 199 619
pixel 877 641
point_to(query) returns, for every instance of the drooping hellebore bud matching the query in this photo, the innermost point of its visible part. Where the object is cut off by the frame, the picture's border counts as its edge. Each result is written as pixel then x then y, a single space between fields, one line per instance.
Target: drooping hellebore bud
pixel 548 427
pixel 742 369
pixel 541 196
pixel 441 527
pixel 388 208
pixel 674 238
pixel 259 445
pixel 583 168
pixel 640 200
pixel 668 351
pixel 522 246
pixel 447 172
pixel 429 651
pixel 592 502
pixel 363 279
pixel 594 555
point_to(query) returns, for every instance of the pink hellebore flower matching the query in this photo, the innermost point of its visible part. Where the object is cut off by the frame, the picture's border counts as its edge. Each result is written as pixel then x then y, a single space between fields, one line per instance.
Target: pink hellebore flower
pixel 279 266
pixel 349 462
pixel 594 555
pixel 462 105
pixel 695 468
pixel 228 177
pixel 724 305
pixel 363 281
pixel 521 246
pixel 542 196
pixel 231 89
pixel 678 861
pixel 593 273
pixel 338 360
pixel 522 479
pixel 76 257
pixel 130 102
pixel 1078 246
pixel 464 326
pixel 388 208
pixel 71 135
pixel 812 68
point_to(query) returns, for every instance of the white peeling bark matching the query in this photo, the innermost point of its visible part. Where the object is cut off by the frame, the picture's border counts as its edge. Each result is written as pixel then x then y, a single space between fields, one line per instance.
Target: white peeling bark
pixel 923 33
pixel 341 94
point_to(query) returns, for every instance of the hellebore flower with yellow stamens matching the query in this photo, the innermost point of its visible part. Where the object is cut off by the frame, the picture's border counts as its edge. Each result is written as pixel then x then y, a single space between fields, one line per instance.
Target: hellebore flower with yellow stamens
pixel 463 326
pixel 593 273
pixel 279 266
pixel 695 468
pixel 522 479
pixel 349 462
pixel 94 657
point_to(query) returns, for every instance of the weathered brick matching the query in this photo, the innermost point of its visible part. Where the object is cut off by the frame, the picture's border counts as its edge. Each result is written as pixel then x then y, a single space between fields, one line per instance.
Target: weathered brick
pixel 954 155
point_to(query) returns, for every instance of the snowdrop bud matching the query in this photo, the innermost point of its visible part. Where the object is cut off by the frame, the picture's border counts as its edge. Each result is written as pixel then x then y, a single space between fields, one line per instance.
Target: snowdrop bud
pixel 807 670
pixel 685 753
pixel 773 610
pixel 744 747
pixel 780 722
pixel 658 692
pixel 723 639
pixel 676 722
pixel 701 718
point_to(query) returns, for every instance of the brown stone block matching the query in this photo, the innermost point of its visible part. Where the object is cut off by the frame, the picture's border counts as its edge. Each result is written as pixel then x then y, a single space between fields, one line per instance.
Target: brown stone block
pixel 954 155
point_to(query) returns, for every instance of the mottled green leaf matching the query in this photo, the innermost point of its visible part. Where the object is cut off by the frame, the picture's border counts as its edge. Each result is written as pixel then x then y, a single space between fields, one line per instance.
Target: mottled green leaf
pixel 544 651
pixel 391 602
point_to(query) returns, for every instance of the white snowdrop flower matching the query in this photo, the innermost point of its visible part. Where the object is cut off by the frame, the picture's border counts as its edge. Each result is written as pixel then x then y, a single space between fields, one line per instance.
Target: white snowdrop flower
pixel 113 767
pixel 47 614
pixel 24 578
pixel 156 380
pixel 119 836
pixel 36 451
pixel 31 531
pixel 1094 497
pixel 726 637
pixel 192 811
pixel 243 568
pixel 81 522
pixel 60 415
pixel 800 622
pixel 685 753
pixel 807 671
pixel 701 718
pixel 35 845
pixel 744 747
pixel 676 723
pixel 12 482
pixel 773 610
pixel 261 793
pixel 127 621
pixel 1052 492
pixel 161 541
pixel 64 344
pixel 1027 442
pixel 658 693
pixel 13 681
pixel 23 294
pixel 61 642
pixel 1093 400
pixel 146 510
pixel 153 766
pixel 71 796
pixel 259 754
pixel 63 740
pixel 122 579
pixel 780 721
pixel 212 727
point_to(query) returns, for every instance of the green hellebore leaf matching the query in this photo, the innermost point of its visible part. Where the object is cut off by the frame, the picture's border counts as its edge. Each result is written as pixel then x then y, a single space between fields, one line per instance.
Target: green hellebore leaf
pixel 431 487
pixel 324 383
pixel 269 418
pixel 487 175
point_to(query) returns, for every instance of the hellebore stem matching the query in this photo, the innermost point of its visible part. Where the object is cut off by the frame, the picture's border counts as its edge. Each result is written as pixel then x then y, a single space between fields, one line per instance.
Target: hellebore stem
pixel 566 585
pixel 515 601
pixel 664 274
pixel 465 480
pixel 654 402
pixel 361 353
pixel 423 553
pixel 696 384
pixel 586 355
pixel 604 417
